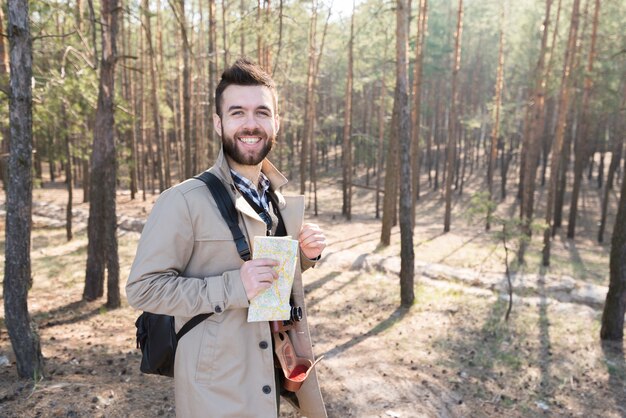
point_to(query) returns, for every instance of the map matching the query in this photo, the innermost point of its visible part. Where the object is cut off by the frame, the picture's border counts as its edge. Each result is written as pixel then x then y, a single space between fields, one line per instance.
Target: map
pixel 273 304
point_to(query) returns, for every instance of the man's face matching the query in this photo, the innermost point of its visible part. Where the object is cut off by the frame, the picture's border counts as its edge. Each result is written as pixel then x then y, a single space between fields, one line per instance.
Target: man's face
pixel 249 123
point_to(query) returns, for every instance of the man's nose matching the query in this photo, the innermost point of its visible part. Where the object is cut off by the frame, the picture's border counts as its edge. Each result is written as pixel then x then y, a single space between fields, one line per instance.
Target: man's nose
pixel 250 122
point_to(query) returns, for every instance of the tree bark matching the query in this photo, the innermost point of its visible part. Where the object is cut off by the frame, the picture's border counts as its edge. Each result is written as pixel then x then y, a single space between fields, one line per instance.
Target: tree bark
pixel 212 79
pixel 307 135
pixel 496 120
pixel 154 98
pixel 347 126
pixel 179 12
pixel 68 174
pixel 403 132
pixel 616 151
pixel 533 127
pixel 17 266
pixel 615 305
pixel 4 86
pixel 452 131
pixel 102 224
pixel 581 146
pixel 381 135
pixel 417 101
pixel 555 159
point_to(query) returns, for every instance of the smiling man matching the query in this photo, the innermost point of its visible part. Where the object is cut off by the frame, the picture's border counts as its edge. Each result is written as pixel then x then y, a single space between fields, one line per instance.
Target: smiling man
pixel 187 264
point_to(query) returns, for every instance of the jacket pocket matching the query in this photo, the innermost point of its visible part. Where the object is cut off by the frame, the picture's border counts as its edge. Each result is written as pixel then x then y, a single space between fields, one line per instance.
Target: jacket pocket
pixel 206 363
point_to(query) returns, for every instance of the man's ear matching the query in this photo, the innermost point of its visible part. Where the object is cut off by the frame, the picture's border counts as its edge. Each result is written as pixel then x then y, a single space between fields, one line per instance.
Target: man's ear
pixel 217 124
pixel 277 122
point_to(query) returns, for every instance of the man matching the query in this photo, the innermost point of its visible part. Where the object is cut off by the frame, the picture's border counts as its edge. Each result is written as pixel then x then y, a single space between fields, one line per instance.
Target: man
pixel 187 263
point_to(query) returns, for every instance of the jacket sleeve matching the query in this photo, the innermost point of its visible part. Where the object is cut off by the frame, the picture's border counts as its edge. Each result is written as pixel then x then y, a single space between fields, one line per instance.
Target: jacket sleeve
pixel 306 262
pixel 155 283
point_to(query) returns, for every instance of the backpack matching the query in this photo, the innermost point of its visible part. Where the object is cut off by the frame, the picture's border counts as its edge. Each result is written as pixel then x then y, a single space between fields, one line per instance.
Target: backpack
pixel 156 335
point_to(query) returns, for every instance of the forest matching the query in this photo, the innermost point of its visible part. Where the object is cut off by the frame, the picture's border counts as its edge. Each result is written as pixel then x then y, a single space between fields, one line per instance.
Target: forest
pixel 410 126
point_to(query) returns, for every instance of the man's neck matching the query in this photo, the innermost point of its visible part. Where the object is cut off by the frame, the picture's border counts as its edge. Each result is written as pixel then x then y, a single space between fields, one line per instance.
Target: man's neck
pixel 251 172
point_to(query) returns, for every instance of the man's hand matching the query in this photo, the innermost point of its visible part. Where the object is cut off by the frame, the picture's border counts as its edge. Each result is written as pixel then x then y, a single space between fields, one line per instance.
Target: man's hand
pixel 258 275
pixel 312 240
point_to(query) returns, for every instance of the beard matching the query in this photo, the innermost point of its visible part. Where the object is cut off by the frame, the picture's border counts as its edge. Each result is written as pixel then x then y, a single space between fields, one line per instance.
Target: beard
pixel 246 157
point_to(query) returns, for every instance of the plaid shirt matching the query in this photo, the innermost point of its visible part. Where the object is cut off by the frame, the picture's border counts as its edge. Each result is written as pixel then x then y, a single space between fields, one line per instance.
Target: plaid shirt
pixel 246 187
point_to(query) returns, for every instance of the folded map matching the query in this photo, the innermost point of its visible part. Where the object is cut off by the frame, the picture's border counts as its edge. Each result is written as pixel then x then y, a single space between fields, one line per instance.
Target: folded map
pixel 273 304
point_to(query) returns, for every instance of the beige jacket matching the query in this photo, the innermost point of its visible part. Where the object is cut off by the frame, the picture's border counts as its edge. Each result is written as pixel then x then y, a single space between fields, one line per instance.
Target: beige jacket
pixel 187 264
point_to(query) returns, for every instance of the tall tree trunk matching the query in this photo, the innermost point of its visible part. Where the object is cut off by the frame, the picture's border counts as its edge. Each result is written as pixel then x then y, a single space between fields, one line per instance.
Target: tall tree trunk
pixel 17 270
pixel 581 147
pixel 568 62
pixel 128 92
pixel 452 131
pixel 242 39
pixel 615 305
pixel 154 97
pixel 417 101
pixel 68 173
pixel 280 35
pixel 212 78
pixel 347 126
pixel 307 134
pixel 530 145
pixel 224 38
pixel 102 224
pixel 179 11
pixel 381 135
pixel 616 151
pixel 312 114
pixel 496 120
pixel 402 130
pixel 4 86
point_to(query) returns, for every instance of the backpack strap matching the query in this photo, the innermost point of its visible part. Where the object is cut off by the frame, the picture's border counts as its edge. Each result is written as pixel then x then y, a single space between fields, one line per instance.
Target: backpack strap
pixel 229 213
pixel 192 323
pixel 227 209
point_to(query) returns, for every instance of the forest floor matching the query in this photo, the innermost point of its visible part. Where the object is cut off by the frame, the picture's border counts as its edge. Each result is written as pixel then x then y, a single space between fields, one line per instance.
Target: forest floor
pixel 450 355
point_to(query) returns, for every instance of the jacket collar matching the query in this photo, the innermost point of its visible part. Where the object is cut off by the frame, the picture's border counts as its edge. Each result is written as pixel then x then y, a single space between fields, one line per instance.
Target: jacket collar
pixel 221 168
pixel 276 178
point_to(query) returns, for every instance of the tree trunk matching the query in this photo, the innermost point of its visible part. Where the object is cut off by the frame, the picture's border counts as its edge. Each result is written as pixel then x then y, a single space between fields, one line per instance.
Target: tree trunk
pixel 154 98
pixel 581 147
pixel 534 125
pixel 4 86
pixel 17 267
pixel 496 120
pixel 212 78
pixel 381 135
pixel 452 131
pixel 618 145
pixel 402 130
pixel 307 135
pixel 68 174
pixel 417 101
pixel 242 40
pixel 224 40
pixel 102 224
pixel 179 12
pixel 347 126
pixel 615 305
pixel 568 62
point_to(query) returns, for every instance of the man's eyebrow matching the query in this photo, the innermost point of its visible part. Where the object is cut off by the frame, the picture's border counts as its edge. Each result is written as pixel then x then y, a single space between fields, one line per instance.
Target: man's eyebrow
pixel 238 107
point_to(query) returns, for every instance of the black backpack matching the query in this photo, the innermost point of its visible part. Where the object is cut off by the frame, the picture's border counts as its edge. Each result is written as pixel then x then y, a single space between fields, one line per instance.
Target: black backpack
pixel 156 335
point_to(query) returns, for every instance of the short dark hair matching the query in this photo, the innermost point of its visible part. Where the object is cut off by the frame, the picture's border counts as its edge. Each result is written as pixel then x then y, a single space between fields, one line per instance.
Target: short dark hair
pixel 244 72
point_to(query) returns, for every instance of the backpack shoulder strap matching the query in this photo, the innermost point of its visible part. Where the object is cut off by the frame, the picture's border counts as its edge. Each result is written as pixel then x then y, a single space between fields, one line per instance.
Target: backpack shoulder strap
pixel 227 209
pixel 191 323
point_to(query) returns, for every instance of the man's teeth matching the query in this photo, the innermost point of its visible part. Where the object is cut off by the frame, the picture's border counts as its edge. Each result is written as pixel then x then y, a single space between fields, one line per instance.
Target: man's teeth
pixel 249 139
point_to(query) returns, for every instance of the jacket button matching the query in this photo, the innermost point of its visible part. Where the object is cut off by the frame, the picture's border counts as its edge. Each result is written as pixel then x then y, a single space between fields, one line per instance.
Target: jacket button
pixel 263 345
pixel 267 389
pixel 218 309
